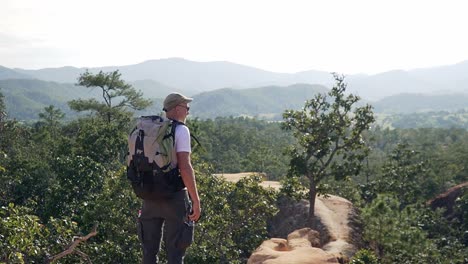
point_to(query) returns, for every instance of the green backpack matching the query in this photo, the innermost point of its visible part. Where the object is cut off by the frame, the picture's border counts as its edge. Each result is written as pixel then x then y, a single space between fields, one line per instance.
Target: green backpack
pixel 150 155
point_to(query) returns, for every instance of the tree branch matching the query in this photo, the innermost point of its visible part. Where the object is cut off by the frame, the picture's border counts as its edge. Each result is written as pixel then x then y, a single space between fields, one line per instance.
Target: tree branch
pixel 73 245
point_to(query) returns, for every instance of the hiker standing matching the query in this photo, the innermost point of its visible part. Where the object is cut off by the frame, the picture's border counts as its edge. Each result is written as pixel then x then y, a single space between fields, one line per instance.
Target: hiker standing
pixel 176 212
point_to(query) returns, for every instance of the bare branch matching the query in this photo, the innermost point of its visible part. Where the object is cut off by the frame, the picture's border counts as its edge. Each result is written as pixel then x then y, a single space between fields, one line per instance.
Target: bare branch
pixel 71 247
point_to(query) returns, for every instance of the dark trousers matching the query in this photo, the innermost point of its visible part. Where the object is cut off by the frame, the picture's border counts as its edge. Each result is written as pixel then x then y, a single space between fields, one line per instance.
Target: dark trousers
pixel 168 215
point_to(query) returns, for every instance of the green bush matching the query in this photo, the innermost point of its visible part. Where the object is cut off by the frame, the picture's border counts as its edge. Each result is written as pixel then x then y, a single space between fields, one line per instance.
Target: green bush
pixel 364 256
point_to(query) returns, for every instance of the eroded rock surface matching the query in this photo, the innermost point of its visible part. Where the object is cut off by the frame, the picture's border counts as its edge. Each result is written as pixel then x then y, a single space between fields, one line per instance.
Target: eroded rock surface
pixel 301 247
pixel 335 239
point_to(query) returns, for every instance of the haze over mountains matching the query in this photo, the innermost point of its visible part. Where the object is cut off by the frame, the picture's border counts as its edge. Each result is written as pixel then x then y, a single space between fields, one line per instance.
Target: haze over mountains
pixel 189 76
pixel 237 89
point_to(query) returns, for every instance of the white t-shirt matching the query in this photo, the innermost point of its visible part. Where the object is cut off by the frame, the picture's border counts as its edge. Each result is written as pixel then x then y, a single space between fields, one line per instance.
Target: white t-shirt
pixel 182 142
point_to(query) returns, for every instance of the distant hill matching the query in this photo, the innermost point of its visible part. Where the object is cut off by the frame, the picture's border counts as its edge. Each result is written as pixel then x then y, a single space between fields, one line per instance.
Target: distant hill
pixel 224 88
pixel 66 74
pixel 195 77
pixel 154 89
pixel 25 98
pixel 390 83
pixel 414 103
pixel 264 102
pixel 451 77
pixel 189 76
pixel 6 73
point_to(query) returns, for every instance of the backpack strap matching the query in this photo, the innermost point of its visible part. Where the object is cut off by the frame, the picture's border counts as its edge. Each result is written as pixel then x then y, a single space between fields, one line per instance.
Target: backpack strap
pixel 175 123
pixel 139 142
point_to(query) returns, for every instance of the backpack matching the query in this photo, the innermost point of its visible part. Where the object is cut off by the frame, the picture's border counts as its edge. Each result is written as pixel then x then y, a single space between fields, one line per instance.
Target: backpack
pixel 149 159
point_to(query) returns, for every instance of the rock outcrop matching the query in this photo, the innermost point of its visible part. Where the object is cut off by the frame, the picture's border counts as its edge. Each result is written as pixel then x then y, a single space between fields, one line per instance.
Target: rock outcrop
pixel 447 199
pixel 301 247
pixel 336 239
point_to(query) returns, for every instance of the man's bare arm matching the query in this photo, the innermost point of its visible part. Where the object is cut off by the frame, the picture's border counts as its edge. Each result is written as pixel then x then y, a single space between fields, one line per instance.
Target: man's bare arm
pixel 188 176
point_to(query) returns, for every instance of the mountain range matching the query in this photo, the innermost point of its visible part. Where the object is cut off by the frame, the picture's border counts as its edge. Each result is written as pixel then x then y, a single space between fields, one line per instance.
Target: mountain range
pixel 195 77
pixel 233 89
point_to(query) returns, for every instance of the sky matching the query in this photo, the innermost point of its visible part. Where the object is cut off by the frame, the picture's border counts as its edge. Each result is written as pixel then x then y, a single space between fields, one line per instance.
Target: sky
pixel 347 36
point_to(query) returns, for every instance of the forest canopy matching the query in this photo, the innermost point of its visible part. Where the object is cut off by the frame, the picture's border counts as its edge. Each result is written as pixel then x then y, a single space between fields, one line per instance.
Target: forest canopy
pixel 59 178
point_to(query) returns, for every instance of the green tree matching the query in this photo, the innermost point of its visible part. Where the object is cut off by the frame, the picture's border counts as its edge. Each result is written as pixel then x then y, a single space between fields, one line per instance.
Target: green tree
pixel 48 127
pixel 396 234
pixel 51 116
pixel 2 108
pixel 403 175
pixel 364 256
pixel 2 121
pixel 104 143
pixel 329 137
pixel 117 94
pixel 115 208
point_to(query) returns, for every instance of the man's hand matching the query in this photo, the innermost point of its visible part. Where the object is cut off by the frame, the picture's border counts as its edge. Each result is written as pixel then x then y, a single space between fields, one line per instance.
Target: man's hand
pixel 196 211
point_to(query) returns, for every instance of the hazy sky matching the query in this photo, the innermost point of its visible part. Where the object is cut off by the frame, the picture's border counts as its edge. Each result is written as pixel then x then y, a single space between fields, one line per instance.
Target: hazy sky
pixel 348 36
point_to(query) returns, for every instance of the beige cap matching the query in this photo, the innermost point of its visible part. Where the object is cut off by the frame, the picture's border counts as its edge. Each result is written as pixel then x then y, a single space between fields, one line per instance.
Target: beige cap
pixel 174 99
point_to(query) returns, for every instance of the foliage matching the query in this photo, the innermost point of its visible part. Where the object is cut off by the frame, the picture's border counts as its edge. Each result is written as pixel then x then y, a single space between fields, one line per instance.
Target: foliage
pixel 116 212
pixel 24 239
pixel 432 159
pixel 461 215
pixel 449 232
pixel 82 186
pixel 242 144
pixel 103 142
pixel 294 188
pixel 251 205
pixel 78 181
pixel 2 107
pixel 329 137
pixel 423 105
pixel 364 256
pixel 346 188
pixel 234 219
pixel 51 116
pixel 394 233
pixel 404 176
pixel 431 119
pixel 20 235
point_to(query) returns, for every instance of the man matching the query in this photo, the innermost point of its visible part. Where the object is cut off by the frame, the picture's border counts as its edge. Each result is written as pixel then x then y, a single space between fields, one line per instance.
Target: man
pixel 171 212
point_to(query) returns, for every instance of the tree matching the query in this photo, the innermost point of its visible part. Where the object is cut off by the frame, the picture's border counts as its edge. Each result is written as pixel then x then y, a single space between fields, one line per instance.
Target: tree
pixel 51 116
pixel 396 234
pixel 49 123
pixel 234 219
pixel 2 120
pixel 329 138
pixel 404 176
pixel 2 107
pixel 117 96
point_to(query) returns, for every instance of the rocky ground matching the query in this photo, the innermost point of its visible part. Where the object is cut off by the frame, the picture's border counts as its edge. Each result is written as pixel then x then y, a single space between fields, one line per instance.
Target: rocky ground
pixel 336 230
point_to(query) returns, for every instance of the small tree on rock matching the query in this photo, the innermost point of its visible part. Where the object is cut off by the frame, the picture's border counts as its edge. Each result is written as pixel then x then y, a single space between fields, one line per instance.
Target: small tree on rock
pixel 329 137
